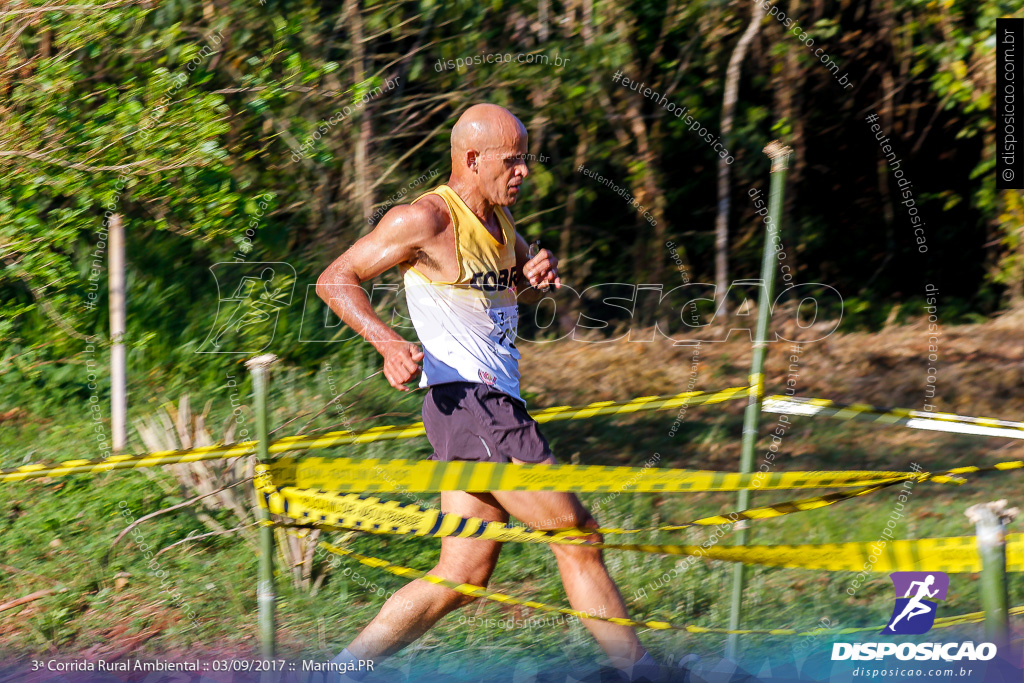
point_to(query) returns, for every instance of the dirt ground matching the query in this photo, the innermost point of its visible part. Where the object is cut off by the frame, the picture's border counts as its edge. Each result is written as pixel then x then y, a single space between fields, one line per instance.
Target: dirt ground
pixel 978 369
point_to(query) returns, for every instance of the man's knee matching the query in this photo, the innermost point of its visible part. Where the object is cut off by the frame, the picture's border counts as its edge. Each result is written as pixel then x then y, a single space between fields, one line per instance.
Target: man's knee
pixel 462 573
pixel 460 600
pixel 581 552
pixel 474 576
pixel 454 599
pixel 575 519
pixel 588 522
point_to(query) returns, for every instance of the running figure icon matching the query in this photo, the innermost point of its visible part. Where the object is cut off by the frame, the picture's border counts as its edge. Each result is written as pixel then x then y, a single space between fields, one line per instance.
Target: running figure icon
pixel 915 607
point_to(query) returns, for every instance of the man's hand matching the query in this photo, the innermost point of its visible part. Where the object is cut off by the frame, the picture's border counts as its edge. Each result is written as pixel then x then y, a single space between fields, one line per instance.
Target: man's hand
pixel 541 271
pixel 401 363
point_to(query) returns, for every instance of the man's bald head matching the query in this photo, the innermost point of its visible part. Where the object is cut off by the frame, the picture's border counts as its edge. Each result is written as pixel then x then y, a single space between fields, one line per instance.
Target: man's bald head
pixel 488 148
pixel 483 126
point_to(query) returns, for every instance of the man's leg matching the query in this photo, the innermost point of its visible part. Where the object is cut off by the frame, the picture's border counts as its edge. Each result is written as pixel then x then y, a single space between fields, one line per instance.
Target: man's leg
pixel 419 605
pixel 586 580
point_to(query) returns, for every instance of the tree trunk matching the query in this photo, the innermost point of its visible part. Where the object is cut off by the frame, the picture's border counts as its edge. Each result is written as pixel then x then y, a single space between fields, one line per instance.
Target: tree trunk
pixel 118 376
pixel 587 24
pixel 363 190
pixel 790 86
pixel 568 316
pixel 649 196
pixel 732 86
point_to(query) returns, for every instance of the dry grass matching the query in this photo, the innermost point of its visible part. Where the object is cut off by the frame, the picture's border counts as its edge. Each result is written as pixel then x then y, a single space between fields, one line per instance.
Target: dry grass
pixel 221 484
pixel 980 368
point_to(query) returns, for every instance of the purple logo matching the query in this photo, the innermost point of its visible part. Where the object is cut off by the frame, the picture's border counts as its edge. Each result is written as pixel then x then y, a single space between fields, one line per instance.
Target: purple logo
pixel 914 612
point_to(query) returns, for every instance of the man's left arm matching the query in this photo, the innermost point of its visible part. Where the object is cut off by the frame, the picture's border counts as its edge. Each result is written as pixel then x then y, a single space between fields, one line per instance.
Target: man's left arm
pixel 537 275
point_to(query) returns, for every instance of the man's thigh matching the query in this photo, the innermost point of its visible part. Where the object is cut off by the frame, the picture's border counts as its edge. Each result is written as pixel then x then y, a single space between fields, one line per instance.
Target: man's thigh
pixel 470 560
pixel 545 509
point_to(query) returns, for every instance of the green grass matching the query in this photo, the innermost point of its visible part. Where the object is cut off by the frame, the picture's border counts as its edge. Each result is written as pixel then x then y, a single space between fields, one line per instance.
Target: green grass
pixel 58 532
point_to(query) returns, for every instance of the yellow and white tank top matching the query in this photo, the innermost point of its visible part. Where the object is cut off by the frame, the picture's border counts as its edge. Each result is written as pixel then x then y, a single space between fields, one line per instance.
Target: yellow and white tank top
pixel 468 326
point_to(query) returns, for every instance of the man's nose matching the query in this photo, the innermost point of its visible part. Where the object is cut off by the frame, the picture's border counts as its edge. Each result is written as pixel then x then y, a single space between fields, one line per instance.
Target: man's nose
pixel 523 170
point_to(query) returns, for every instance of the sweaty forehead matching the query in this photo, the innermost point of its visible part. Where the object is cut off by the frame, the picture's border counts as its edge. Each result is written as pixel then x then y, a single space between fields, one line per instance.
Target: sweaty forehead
pixel 513 148
pixel 489 127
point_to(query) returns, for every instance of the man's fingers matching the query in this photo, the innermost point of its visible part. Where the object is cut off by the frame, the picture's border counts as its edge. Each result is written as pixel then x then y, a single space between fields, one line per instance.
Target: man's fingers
pixel 394 376
pixel 543 275
pixel 535 264
pixel 400 366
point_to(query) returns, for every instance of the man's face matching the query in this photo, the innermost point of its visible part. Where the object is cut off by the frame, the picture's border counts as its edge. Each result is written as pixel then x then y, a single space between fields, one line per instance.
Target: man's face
pixel 501 170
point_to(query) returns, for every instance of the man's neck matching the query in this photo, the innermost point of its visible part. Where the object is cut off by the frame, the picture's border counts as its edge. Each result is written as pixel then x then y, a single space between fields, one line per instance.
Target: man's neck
pixel 480 207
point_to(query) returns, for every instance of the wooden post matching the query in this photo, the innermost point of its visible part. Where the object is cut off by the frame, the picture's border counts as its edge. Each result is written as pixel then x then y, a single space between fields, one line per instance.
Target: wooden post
pixel 989 520
pixel 265 596
pixel 779 154
pixel 118 374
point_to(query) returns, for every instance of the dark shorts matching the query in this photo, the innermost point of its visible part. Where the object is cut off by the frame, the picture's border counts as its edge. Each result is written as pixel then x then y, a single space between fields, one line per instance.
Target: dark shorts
pixel 472 421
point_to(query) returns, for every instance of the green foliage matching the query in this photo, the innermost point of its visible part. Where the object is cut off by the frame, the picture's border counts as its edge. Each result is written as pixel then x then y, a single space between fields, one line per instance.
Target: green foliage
pixel 198 115
pixel 179 120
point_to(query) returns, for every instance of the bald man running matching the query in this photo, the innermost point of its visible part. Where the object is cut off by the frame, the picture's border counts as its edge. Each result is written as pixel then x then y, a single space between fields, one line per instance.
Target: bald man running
pixel 464 267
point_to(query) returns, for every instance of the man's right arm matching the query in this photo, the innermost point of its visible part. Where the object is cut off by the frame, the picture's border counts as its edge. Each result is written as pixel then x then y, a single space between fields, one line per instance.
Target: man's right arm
pixel 398 237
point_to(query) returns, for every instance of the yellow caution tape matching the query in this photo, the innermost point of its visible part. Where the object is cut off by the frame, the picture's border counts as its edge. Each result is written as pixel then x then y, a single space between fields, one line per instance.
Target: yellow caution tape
pixel 975 469
pixel 368 513
pixel 915 419
pixel 784 404
pixel 420 476
pixel 331 439
pixel 756 389
pixel 480 592
pixel 954 555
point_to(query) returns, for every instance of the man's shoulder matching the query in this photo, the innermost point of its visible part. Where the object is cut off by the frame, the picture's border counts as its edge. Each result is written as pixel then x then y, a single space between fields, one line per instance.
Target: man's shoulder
pixel 428 216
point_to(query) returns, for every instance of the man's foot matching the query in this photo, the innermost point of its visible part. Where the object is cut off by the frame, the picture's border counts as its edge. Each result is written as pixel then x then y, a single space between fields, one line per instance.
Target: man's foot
pixel 685 666
pixel 643 670
pixel 349 668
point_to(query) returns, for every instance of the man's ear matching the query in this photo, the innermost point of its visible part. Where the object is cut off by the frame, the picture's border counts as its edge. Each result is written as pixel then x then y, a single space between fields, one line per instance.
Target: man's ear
pixel 472 159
